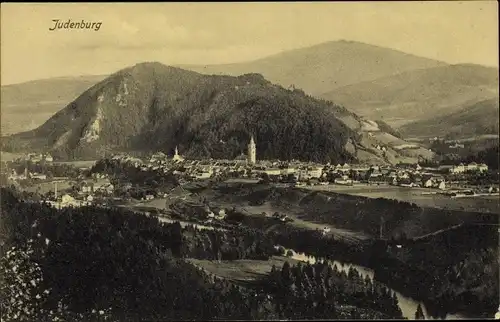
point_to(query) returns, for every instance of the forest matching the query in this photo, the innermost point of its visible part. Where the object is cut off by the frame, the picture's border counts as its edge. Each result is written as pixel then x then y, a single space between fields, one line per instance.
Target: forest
pixel 93 263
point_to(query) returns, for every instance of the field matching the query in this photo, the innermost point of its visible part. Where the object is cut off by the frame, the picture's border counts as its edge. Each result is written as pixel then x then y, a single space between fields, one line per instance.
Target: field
pixel 294 213
pixel 229 201
pixel 488 204
pixel 78 164
pixel 44 187
pixel 243 269
pixel 8 156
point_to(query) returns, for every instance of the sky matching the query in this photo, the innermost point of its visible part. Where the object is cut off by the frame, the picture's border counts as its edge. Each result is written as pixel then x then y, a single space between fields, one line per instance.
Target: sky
pixel 215 33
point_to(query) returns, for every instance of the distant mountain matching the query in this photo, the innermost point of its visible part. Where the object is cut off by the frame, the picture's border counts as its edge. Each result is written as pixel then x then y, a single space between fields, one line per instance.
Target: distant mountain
pixel 324 67
pixel 478 119
pixel 153 107
pixel 419 94
pixel 40 100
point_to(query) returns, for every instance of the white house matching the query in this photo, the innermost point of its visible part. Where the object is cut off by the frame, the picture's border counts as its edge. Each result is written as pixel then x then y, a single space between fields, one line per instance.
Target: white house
pixel 205 174
pixel 221 215
pixel 461 168
pixel 38 176
pixel 288 170
pixel 482 167
pixel 472 166
pixel 429 183
pixel 272 171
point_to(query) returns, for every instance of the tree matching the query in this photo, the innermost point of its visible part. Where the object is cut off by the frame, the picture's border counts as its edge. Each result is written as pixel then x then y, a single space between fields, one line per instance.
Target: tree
pixel 419 314
pixel 286 274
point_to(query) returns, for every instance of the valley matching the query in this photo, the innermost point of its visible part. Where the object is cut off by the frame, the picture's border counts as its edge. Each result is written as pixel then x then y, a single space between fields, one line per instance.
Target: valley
pixel 339 179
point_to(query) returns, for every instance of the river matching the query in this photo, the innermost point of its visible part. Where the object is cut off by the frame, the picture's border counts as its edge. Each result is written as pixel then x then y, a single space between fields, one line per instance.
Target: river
pixel 407 305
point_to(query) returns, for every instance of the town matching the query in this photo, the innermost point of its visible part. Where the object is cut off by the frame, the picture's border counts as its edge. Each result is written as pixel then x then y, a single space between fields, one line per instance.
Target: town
pixel 88 185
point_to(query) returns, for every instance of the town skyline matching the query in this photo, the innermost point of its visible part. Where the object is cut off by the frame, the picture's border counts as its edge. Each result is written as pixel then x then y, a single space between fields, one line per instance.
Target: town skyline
pixel 177 34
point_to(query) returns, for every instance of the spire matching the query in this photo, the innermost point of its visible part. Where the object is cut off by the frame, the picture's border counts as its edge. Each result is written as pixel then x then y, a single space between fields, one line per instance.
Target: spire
pixel 176 151
pixel 252 141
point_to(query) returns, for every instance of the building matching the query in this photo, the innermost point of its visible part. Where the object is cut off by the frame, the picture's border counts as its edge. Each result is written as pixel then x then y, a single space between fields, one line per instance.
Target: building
pixel 252 152
pixel 288 170
pixel 461 168
pixel 428 183
pixel 472 166
pixel 482 167
pixel 177 157
pixel 38 176
pixel 272 171
pixel 456 146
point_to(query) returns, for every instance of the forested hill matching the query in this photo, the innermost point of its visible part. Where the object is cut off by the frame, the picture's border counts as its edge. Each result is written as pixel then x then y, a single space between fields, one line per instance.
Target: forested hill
pixel 150 107
pixel 473 120
pixel 420 94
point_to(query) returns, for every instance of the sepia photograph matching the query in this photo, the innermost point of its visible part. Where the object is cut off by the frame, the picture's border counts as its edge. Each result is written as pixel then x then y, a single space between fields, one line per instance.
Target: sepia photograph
pixel 203 161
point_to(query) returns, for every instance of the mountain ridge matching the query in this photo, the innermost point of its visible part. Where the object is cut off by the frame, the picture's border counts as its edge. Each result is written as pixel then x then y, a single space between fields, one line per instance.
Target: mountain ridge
pixel 325 66
pixel 480 118
pixel 177 107
pixel 419 94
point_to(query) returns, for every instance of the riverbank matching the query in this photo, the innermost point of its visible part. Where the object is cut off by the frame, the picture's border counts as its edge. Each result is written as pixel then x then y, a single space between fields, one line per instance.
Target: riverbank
pixel 407 304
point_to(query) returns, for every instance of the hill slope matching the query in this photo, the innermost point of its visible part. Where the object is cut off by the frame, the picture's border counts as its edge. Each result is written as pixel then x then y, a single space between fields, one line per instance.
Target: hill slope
pixel 478 119
pixel 321 68
pixel 40 99
pixel 419 94
pixel 151 107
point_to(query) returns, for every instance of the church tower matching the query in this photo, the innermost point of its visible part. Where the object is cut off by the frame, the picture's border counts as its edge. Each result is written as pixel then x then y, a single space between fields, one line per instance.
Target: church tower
pixel 177 157
pixel 252 152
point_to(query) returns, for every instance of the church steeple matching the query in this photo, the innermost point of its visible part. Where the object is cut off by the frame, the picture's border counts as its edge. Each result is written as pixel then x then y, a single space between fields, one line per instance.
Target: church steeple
pixel 252 151
pixel 177 157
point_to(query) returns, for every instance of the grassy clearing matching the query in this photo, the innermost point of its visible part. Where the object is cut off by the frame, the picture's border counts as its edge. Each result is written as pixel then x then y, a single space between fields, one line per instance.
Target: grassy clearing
pixel 8 156
pixel 243 269
pixel 44 187
pixel 78 164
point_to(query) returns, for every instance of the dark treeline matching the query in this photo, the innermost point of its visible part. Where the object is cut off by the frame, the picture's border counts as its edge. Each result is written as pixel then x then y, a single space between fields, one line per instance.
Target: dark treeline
pixel 313 243
pixel 459 269
pixel 100 258
pixel 317 290
pixel 487 153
